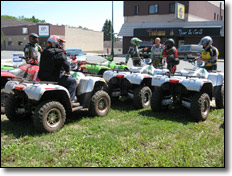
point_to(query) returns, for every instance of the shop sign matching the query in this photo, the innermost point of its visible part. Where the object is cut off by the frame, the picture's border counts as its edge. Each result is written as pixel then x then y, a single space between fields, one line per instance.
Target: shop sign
pixel 43 30
pixel 179 11
pixel 177 32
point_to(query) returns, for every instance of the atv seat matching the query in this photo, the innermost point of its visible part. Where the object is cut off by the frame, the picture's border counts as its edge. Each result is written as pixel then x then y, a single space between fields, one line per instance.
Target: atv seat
pixel 15 71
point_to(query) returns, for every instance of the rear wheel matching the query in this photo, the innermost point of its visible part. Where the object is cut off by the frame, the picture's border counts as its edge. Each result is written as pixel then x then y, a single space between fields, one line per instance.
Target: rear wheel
pixel 49 116
pixel 142 97
pixel 219 99
pixel 15 109
pixel 156 99
pixel 100 104
pixel 200 106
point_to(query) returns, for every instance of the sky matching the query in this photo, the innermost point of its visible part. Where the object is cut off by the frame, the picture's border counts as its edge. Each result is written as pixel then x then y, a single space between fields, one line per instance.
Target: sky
pixel 90 14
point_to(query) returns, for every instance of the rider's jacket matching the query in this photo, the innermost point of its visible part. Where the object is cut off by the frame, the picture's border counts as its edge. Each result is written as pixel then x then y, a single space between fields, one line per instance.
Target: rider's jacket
pixel 133 52
pixel 52 62
pixel 211 54
pixel 156 51
pixel 31 53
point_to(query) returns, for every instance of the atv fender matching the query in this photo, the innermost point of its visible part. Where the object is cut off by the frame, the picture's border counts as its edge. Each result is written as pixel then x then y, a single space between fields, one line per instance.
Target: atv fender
pixel 216 78
pixel 37 91
pixel 92 85
pixel 191 84
pixel 10 85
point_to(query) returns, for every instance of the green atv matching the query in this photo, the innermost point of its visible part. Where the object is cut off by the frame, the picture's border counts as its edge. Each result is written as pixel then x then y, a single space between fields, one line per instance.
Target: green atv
pixel 100 68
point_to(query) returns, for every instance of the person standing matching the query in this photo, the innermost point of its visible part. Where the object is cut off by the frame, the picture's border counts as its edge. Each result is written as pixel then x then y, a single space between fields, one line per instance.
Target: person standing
pixel 209 54
pixel 157 52
pixel 134 52
pixel 32 49
pixel 170 52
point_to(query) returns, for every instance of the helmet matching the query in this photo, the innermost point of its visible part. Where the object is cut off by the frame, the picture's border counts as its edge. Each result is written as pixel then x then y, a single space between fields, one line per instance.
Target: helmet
pixel 134 41
pixel 169 43
pixel 206 40
pixel 56 41
pixel 33 38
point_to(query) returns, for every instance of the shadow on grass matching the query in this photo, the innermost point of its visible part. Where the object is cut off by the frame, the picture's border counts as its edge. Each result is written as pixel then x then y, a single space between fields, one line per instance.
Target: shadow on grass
pixel 26 127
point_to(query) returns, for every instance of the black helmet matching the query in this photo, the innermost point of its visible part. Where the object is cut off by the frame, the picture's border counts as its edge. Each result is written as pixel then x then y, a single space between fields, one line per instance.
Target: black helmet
pixel 169 43
pixel 33 38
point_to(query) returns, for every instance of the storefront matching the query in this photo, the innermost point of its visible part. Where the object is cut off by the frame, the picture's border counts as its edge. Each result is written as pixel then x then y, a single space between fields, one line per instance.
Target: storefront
pixel 181 32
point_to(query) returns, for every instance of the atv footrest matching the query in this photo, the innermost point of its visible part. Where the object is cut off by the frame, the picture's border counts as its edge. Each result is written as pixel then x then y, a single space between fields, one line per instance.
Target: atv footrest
pixel 77 108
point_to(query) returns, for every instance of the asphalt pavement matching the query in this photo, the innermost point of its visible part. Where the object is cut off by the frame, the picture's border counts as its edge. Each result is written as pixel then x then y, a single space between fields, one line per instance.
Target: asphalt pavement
pixel 7 56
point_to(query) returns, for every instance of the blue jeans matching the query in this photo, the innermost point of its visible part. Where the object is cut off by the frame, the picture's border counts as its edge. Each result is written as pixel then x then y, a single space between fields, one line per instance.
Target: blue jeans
pixel 69 83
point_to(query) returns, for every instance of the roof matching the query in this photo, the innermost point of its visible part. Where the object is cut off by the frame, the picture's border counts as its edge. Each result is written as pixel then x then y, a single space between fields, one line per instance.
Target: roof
pixel 5 22
pixel 127 29
pixel 108 44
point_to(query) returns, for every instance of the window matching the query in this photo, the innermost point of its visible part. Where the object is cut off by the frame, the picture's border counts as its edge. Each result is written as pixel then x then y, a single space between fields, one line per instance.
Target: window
pixel 221 17
pixel 10 43
pixel 153 9
pixel 217 17
pixel 20 43
pixel 136 10
pixel 214 16
pixel 172 8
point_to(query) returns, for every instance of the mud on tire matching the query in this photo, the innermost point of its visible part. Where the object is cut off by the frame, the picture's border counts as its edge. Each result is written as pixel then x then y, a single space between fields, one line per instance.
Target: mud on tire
pixel 49 116
pixel 142 97
pixel 100 104
pixel 200 106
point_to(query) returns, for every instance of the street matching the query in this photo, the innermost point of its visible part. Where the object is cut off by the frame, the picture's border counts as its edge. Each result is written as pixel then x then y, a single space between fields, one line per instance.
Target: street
pixel 6 58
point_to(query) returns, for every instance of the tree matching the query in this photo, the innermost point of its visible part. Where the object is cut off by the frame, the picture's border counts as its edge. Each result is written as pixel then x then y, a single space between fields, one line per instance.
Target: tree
pixel 107 29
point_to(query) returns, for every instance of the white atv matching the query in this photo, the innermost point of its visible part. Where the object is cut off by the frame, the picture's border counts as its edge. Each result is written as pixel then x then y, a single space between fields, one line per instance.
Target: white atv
pixel 192 88
pixel 48 103
pixel 135 83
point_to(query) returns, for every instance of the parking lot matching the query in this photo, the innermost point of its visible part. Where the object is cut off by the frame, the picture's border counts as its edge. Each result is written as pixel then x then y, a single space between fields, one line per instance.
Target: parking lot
pixel 6 58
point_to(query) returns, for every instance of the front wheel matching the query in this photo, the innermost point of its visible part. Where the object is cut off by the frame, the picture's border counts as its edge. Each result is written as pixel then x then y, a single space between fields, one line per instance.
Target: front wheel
pixel 49 116
pixel 156 99
pixel 100 104
pixel 200 106
pixel 4 97
pixel 142 97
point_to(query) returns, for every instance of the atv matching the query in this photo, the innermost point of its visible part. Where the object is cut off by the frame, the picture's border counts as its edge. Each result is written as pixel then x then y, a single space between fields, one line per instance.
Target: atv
pixel 48 104
pixel 6 67
pixel 99 69
pixel 192 88
pixel 134 83
pixel 28 71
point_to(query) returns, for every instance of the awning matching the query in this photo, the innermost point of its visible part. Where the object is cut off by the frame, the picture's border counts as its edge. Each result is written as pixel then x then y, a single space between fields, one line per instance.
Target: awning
pixel 214 28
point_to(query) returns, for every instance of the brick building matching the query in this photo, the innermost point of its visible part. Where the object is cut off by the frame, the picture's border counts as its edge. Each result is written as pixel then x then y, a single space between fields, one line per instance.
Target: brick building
pixel 150 19
pixel 16 35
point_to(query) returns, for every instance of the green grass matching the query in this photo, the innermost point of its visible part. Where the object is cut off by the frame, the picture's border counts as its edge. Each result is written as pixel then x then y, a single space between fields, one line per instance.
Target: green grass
pixel 124 138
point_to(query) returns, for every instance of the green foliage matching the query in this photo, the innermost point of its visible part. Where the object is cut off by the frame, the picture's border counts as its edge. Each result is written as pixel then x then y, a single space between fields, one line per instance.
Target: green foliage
pixel 22 18
pixel 107 29
pixel 124 138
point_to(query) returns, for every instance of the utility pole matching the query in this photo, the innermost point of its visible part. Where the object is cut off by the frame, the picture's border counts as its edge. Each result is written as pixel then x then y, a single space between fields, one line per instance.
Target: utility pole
pixel 112 49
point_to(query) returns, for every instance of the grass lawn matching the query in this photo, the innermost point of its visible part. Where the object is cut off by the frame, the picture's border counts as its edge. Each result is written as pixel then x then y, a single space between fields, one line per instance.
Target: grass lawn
pixel 124 138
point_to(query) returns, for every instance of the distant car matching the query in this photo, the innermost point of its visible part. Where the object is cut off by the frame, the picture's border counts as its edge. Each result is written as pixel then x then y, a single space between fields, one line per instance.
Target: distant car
pixel 189 51
pixel 148 45
pixel 75 54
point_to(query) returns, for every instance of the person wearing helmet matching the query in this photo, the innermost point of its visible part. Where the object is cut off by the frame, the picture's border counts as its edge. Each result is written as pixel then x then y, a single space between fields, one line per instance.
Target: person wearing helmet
pixel 170 53
pixel 134 51
pixel 32 49
pixel 55 67
pixel 209 54
pixel 157 52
